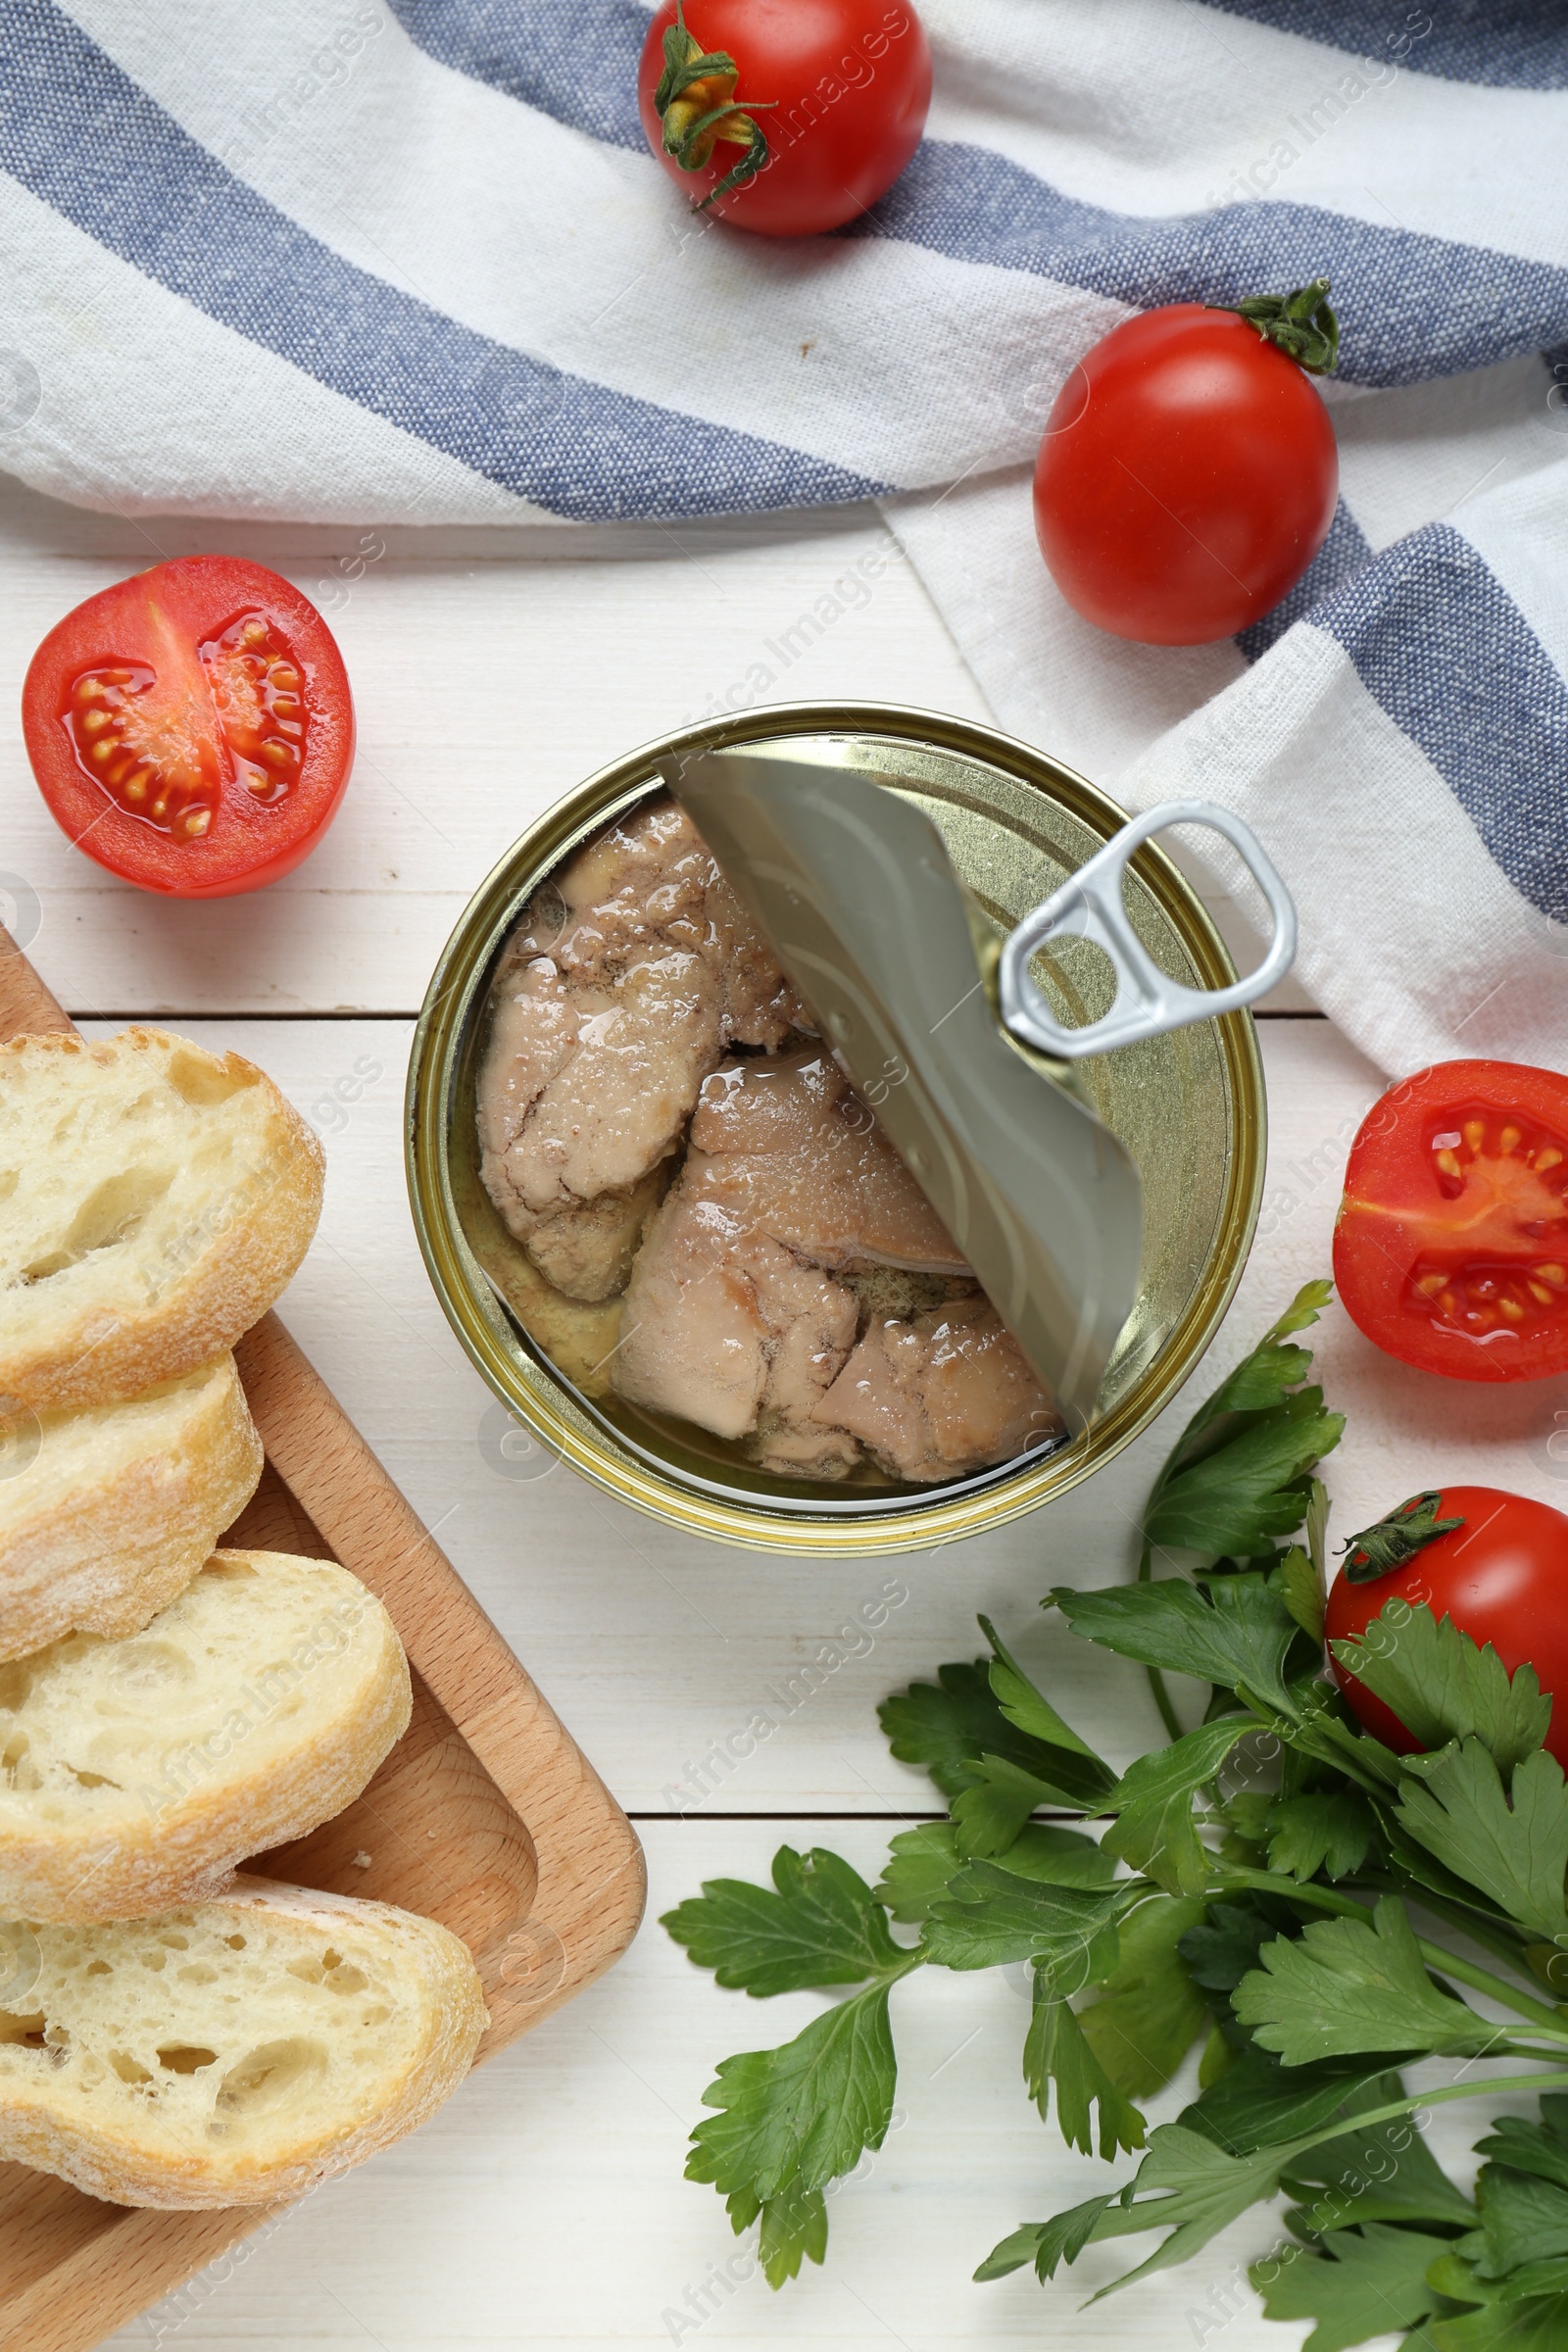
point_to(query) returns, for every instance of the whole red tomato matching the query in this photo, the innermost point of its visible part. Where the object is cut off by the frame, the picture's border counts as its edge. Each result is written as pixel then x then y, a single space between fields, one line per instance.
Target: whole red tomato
pixel 1503 1577
pixel 804 112
pixel 1187 478
pixel 1451 1251
pixel 191 728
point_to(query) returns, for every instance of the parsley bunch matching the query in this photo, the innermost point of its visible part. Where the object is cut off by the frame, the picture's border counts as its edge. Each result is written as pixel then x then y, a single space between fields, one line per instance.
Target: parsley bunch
pixel 1274 1886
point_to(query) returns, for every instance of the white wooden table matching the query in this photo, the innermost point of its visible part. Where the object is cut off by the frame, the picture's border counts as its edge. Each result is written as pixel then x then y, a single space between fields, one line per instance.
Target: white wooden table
pixel 545 2205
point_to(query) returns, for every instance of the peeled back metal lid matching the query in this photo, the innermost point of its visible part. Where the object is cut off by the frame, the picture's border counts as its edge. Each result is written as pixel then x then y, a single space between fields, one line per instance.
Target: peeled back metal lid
pixel 854 886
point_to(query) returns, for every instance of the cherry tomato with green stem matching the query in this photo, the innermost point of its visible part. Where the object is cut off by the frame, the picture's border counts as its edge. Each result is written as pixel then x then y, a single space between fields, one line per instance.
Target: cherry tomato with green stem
pixel 1500 1571
pixel 784 117
pixel 1189 470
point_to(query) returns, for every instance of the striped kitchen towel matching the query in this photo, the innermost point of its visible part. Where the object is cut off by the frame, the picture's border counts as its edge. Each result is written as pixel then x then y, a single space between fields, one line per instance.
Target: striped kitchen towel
pixel 410 261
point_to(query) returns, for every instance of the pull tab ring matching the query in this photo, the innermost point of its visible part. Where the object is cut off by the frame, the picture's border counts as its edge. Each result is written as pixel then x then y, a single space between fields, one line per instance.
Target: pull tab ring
pixel 1147 1003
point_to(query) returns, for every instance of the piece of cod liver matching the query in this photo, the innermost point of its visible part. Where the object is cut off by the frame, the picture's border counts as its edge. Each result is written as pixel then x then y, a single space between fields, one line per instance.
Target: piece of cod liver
pixel 620 989
pixel 940 1395
pixel 733 1318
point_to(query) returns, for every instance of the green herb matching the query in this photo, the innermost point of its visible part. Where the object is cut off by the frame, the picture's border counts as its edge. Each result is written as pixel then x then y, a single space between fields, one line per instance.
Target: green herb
pixel 1364 2282
pixel 1236 1631
pixel 822 1926
pixel 1442 1687
pixel 1246 1895
pixel 1329 1831
pixel 1352 1985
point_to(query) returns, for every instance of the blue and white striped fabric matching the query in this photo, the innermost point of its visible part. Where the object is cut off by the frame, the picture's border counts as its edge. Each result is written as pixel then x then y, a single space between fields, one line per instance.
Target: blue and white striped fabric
pixel 342 260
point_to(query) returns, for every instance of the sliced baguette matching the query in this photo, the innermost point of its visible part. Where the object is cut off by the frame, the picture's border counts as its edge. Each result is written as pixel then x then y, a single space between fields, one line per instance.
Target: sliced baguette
pixel 230 2052
pixel 154 1201
pixel 106 1514
pixel 134 1775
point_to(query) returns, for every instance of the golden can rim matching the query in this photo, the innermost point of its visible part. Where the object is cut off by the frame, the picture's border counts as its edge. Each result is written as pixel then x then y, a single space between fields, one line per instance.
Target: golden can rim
pixel 474 1317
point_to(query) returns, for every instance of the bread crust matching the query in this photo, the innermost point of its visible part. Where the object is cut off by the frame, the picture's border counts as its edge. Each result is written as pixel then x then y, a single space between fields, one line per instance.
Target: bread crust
pixel 124 2152
pixel 86 1332
pixel 255 1782
pixel 140 1522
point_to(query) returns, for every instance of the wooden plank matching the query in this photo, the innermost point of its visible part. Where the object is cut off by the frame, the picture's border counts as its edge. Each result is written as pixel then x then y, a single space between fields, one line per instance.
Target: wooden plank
pixel 487 1816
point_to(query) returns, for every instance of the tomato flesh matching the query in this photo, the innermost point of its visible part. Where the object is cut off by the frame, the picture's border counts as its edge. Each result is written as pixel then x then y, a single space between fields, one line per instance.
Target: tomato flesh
pixel 842 89
pixel 1451 1251
pixel 1503 1577
pixel 1187 477
pixel 193 728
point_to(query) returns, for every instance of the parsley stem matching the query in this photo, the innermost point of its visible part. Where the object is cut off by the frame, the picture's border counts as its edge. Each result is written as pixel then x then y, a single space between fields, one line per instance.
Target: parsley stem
pixel 1491 2090
pixel 1446 1964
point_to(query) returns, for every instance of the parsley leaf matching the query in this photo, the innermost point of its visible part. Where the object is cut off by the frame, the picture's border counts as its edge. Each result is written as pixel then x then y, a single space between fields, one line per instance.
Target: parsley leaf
pixel 1236 1477
pixel 1329 1830
pixel 1540 2148
pixel 1349 1984
pixel 1442 1687
pixel 794 2227
pixel 1208 2190
pixel 1046 2244
pixel 822 1926
pixel 991 1918
pixel 1226 1942
pixel 1025 1708
pixel 1243 1496
pixel 803 2113
pixel 1454 1803
pixel 1299 1585
pixel 1257 2103
pixel 1522 2219
pixel 1055 2051
pixel 1236 1635
pixel 991 1710
pixel 1376 2173
pixel 1365 2283
pixel 1538 2325
pixel 1260 1380
pixel 1149 2013
pixel 990 1813
pixel 1154 1829
pixel 921 1861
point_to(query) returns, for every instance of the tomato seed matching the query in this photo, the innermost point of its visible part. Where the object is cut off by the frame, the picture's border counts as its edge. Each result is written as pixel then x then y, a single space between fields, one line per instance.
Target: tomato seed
pixel 1549 1157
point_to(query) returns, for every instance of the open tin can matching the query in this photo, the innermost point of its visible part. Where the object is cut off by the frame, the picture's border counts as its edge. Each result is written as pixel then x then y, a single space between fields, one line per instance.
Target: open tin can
pixel 1188 1105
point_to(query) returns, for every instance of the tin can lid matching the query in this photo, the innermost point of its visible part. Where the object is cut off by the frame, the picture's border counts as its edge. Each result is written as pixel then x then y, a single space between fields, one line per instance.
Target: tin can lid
pixel 854 888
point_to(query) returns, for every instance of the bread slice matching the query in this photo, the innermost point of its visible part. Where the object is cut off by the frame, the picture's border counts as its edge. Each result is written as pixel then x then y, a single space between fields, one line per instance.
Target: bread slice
pixel 135 1774
pixel 106 1514
pixel 154 1201
pixel 232 2052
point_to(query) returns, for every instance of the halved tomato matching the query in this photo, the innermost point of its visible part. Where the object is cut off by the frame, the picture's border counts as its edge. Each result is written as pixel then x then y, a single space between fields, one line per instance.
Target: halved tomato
pixel 1451 1246
pixel 193 728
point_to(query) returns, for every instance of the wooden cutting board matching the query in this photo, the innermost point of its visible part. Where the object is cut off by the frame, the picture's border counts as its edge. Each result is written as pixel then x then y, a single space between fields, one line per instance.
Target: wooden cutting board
pixel 486 1816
